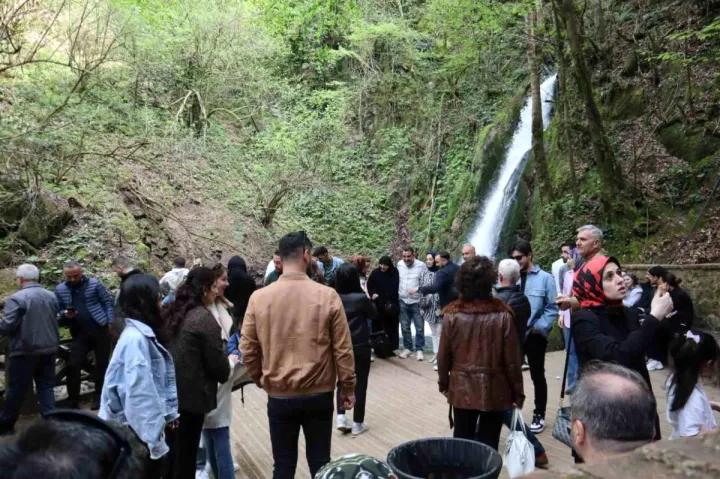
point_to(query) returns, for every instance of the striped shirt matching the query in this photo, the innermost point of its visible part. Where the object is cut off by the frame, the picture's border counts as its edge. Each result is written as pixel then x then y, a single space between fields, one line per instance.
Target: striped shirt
pixel 410 279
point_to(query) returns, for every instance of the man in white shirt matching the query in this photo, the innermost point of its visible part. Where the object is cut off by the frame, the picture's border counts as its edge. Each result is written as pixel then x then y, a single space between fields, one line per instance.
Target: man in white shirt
pixel 410 269
pixel 560 266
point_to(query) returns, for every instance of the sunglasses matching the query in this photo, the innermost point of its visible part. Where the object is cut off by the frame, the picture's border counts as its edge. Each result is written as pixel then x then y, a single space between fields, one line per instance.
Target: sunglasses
pixel 97 423
pixel 518 258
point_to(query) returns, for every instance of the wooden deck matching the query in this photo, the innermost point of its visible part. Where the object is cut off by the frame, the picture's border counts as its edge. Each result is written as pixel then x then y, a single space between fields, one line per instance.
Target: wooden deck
pixel 403 404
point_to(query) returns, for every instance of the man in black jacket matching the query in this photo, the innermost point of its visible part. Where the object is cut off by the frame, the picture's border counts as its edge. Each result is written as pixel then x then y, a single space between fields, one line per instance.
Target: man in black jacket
pixel 510 294
pixel 444 282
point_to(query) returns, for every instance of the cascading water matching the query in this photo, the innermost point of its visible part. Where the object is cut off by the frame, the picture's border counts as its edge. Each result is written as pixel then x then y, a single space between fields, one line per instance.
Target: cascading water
pixel 486 235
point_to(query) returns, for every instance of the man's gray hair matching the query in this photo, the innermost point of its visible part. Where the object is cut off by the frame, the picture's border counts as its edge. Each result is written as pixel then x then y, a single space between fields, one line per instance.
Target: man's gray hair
pixel 595 232
pixel 468 245
pixel 124 262
pixel 510 270
pixel 28 272
pixel 616 406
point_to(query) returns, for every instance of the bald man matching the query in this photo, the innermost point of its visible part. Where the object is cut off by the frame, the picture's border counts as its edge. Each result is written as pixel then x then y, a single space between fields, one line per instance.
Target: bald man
pixel 468 251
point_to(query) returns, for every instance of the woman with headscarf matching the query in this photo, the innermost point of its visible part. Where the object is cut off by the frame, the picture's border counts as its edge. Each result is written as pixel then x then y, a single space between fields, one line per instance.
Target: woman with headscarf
pixel 430 303
pixel 604 329
pixel 240 287
pixel 383 285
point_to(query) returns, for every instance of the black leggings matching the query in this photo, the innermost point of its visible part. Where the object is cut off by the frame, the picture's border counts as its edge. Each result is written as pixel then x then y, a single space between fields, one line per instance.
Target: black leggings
pixel 362 372
pixel 184 443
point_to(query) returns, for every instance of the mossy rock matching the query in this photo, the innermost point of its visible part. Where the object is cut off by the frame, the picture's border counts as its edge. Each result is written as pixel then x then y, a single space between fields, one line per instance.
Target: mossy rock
pixel 626 103
pixel 689 142
pixel 556 340
pixel 142 253
pixel 44 220
pixel 8 285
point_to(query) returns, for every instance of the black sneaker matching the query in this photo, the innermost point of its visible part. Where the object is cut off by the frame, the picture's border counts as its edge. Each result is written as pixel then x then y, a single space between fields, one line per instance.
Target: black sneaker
pixel 538 423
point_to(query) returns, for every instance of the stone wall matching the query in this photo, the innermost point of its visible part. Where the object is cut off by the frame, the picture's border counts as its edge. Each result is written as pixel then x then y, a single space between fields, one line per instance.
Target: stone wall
pixel 701 281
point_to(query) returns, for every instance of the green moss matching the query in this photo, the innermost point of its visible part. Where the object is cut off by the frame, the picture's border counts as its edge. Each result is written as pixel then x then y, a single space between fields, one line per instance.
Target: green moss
pixel 689 142
pixel 625 103
pixel 142 254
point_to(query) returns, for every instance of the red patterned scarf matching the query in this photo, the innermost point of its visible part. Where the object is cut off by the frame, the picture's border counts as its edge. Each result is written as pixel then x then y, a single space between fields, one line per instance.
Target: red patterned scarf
pixel 587 284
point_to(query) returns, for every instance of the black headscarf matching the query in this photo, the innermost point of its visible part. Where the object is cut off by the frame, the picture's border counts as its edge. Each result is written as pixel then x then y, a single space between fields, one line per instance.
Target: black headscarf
pixel 384 284
pixel 240 287
pixel 434 267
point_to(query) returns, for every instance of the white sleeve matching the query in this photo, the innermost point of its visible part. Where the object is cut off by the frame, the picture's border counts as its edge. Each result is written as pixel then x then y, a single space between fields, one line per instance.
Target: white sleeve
pixel 691 418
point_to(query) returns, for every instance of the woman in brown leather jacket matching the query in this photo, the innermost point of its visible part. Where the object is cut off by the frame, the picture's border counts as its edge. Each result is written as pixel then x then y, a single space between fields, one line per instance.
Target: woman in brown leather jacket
pixel 479 356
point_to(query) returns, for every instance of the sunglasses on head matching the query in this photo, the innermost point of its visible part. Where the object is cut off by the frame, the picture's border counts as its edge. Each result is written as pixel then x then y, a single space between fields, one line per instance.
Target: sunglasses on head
pixel 97 423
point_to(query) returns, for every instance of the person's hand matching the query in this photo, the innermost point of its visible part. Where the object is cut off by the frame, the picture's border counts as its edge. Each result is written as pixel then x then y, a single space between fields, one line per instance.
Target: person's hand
pixel 662 304
pixel 69 314
pixel 234 358
pixel 564 302
pixel 561 322
pixel 173 425
pixel 348 402
pixel 412 290
pixel 715 405
pixel 374 297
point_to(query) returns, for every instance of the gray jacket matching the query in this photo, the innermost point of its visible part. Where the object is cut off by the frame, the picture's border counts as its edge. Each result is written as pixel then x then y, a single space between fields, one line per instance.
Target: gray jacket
pixel 30 320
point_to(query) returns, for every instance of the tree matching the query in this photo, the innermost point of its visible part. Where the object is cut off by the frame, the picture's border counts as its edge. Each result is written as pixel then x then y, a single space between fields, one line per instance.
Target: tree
pixel 610 174
pixel 538 145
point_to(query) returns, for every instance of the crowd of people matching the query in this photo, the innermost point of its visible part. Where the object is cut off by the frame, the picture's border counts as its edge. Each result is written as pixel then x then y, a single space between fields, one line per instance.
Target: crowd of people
pixel 169 353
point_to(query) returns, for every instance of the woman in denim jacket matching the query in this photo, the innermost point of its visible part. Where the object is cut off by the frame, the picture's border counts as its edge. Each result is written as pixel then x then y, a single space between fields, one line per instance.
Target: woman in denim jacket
pixel 140 389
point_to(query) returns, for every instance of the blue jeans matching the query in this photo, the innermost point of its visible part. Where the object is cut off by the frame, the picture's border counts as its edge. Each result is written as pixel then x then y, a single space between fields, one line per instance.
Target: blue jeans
pixel 539 449
pixel 217 445
pixel 22 370
pixel 410 313
pixel 573 364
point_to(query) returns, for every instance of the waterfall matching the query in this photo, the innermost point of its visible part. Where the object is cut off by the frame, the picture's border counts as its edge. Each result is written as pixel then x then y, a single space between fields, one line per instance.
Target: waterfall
pixel 487 231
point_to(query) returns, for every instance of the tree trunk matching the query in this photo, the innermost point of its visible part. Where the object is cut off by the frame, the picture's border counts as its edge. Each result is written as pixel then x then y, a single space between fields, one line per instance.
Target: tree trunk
pixel 562 99
pixel 538 144
pixel 603 156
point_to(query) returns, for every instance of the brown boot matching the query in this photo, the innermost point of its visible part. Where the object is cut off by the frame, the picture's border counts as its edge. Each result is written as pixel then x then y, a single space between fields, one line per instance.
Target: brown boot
pixel 542 461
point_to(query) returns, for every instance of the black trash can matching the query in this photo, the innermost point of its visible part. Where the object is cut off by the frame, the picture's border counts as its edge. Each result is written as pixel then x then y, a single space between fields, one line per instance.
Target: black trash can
pixel 444 458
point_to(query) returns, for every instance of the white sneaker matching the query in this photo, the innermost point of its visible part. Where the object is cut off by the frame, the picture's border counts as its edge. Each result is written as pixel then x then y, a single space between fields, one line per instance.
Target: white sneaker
pixel 359 428
pixel 405 354
pixel 435 368
pixel 372 357
pixel 202 474
pixel 419 356
pixel 654 365
pixel 342 424
pixel 433 358
pixel 236 466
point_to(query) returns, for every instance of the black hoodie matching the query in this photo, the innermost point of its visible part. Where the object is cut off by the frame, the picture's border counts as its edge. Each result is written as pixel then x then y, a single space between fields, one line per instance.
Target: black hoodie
pixel 240 287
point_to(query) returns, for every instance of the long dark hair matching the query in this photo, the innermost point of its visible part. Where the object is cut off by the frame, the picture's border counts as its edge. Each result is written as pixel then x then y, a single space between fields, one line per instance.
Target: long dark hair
pixel 139 300
pixel 189 295
pixel 347 279
pixel 688 358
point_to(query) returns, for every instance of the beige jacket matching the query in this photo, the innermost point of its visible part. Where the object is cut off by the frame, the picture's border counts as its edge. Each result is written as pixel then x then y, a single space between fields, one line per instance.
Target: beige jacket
pixel 295 339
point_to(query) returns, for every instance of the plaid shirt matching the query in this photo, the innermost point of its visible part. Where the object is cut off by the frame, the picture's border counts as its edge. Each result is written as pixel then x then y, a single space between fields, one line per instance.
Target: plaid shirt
pixel 410 279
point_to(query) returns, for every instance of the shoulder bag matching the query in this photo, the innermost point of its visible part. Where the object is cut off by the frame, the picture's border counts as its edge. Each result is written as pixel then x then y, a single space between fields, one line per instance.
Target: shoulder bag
pixel 561 429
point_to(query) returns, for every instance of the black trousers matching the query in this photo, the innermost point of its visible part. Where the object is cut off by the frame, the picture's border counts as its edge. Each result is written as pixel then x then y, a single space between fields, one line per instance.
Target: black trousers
pixel 535 348
pixel 184 443
pixel 84 341
pixel 22 370
pixel 287 416
pixel 488 425
pixel 362 372
pixel 660 346
pixel 391 325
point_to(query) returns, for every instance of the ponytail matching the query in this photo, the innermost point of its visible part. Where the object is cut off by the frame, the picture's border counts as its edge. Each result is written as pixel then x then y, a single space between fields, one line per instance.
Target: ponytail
pixel 689 352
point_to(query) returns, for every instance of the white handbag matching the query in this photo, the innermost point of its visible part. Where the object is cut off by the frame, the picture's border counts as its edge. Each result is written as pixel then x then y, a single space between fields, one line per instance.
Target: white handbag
pixel 519 453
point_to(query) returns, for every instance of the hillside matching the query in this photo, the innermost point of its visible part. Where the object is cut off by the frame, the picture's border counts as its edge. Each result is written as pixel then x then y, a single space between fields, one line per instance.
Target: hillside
pixel 211 128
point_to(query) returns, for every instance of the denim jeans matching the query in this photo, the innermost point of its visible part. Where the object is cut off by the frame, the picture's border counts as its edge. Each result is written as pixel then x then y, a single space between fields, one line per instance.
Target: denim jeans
pixel 217 444
pixel 410 313
pixel 573 364
pixel 314 414
pixel 22 370
pixel 539 449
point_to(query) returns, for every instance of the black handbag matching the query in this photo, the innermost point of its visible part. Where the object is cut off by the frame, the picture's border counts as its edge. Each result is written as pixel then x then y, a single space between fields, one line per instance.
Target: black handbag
pixel 561 429
pixel 380 343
